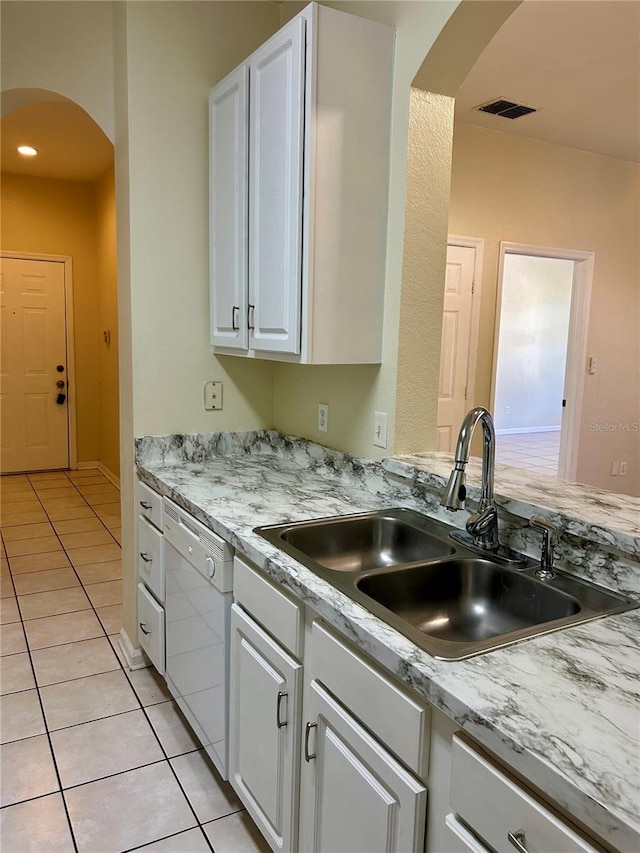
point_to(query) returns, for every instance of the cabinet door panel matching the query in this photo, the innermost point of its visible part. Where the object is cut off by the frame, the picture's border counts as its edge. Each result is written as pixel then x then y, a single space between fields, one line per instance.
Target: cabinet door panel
pixel 264 756
pixel 228 194
pixel 275 192
pixel 364 800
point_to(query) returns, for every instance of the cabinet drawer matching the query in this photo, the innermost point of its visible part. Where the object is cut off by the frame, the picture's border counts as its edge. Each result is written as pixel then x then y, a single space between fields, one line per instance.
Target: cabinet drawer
pixel 149 504
pixel 400 721
pixel 279 614
pixel 495 806
pixel 151 627
pixel 151 558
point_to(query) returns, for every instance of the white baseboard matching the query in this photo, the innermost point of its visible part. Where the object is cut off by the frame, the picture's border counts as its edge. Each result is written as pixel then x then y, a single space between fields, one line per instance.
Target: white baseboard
pixel 527 430
pixel 84 466
pixel 134 656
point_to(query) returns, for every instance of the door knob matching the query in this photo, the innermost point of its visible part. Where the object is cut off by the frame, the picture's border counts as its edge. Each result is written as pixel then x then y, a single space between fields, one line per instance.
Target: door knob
pixel 59 384
pixel 60 368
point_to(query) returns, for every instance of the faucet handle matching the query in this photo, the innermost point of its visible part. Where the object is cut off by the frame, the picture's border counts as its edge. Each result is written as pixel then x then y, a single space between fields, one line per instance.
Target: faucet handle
pixel 549 542
pixel 549 530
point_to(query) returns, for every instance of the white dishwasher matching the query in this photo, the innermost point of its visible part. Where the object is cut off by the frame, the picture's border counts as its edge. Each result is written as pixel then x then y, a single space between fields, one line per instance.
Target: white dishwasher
pixel 199 584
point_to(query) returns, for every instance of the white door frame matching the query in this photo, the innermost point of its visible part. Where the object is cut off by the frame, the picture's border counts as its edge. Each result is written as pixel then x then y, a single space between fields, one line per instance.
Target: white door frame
pixel 477 244
pixel 576 344
pixel 69 334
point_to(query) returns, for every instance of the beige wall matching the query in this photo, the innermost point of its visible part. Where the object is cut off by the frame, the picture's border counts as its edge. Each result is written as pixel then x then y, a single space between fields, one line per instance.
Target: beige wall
pixel 175 53
pixel 61 47
pixel 428 176
pixel 48 216
pixel 520 190
pixel 107 319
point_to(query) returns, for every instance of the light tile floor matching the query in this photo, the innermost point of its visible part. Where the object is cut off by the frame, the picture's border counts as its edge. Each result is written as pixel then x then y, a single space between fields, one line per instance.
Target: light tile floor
pixel 533 451
pixel 93 758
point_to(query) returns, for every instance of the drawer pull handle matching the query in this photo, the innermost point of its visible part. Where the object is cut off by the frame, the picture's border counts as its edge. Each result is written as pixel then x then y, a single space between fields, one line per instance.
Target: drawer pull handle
pixel 146 557
pixel 145 505
pixel 281 696
pixel 307 755
pixel 518 840
pixel 143 628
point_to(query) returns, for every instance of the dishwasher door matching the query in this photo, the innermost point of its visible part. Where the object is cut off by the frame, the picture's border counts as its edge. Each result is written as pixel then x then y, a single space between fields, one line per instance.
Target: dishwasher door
pixel 197 642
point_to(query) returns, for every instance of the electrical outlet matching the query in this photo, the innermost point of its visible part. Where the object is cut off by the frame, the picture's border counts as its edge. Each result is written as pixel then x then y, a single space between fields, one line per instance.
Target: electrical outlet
pixel 623 469
pixel 507 410
pixel 323 417
pixel 380 429
pixel 615 469
pixel 212 395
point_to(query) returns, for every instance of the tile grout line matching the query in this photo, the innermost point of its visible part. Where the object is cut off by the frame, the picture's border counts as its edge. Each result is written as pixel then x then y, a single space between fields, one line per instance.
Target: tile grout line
pixel 121 667
pixel 138 699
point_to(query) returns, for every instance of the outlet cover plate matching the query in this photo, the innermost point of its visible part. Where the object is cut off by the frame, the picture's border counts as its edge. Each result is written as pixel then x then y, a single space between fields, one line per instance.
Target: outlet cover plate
pixel 212 396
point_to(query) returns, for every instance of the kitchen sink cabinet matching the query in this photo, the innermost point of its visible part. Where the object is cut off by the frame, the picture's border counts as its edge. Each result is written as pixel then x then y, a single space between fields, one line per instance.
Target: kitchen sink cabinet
pixel 356 796
pixel 265 701
pixel 265 704
pixel 299 162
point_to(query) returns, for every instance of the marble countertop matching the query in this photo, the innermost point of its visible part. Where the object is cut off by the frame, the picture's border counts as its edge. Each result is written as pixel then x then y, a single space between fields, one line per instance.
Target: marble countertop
pixel 563 710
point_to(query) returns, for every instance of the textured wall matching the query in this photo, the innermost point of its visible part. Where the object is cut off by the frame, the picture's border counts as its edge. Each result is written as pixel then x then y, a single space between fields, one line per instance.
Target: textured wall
pixel 428 176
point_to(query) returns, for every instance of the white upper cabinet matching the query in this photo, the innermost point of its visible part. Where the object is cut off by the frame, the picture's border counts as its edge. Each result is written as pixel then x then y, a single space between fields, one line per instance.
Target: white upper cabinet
pixel 315 200
pixel 228 142
pixel 275 190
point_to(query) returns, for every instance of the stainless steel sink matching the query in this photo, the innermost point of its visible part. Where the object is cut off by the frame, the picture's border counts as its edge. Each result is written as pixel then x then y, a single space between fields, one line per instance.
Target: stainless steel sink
pixel 358 543
pixel 467 599
pixel 403 567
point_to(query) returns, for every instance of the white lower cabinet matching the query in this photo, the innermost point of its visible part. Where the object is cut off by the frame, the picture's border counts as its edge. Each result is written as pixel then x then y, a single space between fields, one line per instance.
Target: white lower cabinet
pixel 459 839
pixel 265 704
pixel 151 627
pixel 358 797
pixel 501 813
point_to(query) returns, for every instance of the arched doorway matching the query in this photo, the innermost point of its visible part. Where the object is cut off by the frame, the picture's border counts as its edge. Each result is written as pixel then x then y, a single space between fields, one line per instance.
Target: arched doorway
pixel 58 219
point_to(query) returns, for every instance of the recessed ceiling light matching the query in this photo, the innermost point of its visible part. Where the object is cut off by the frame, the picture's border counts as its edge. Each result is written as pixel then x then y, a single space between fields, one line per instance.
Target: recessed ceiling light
pixel 27 150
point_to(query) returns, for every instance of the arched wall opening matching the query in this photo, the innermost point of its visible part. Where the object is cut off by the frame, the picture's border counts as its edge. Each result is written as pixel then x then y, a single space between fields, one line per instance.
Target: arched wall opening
pixel 61 204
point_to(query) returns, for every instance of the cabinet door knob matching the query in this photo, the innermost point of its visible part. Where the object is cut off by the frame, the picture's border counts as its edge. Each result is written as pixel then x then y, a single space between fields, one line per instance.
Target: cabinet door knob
pixel 250 312
pixel 281 696
pixel 518 840
pixel 234 324
pixel 143 628
pixel 308 755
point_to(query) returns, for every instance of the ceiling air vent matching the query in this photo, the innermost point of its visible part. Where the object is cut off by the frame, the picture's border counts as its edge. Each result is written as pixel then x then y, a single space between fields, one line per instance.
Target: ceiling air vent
pixel 506 109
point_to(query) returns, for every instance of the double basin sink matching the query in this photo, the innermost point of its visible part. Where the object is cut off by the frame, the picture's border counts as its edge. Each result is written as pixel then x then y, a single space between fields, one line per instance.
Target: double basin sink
pixel 404 568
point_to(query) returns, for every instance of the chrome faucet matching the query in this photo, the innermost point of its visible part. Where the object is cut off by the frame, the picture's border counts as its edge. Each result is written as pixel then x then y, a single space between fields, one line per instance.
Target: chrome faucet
pixel 482 525
pixel 549 542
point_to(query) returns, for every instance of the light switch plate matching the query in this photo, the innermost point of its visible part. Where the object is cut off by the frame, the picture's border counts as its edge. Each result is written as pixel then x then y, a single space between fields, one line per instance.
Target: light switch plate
pixel 380 429
pixel 323 417
pixel 212 395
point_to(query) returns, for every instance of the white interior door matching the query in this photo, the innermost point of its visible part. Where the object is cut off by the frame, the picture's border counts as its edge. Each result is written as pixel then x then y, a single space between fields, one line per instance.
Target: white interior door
pixel 455 347
pixel 34 427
